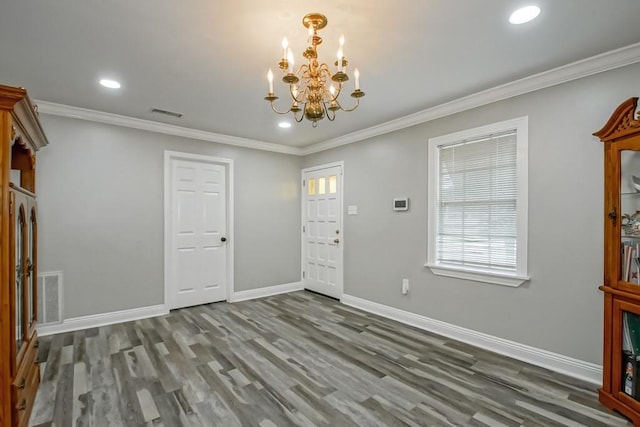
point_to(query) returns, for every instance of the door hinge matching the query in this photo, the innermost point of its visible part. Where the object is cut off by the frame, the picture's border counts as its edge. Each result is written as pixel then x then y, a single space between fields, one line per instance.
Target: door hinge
pixel 304 229
pixel 303 274
pixel 304 183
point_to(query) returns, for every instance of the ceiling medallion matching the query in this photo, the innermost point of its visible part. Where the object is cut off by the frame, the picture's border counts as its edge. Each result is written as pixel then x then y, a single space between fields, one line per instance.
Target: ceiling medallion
pixel 314 89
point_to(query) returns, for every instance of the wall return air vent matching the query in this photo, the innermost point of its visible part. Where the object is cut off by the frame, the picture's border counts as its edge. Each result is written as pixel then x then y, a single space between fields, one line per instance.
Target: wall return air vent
pixel 49 298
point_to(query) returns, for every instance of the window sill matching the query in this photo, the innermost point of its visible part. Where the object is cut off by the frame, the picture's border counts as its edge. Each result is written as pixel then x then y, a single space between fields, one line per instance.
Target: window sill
pixel 478 276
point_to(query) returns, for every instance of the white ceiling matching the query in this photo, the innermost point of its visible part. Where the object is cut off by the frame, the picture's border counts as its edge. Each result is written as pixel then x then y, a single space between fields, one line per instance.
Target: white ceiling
pixel 208 59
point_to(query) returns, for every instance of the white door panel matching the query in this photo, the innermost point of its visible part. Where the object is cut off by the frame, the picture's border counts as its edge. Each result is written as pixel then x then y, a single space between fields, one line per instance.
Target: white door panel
pixel 198 258
pixel 322 230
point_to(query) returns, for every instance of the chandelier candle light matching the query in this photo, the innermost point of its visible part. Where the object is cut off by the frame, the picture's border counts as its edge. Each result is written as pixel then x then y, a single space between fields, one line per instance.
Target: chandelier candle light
pixel 313 88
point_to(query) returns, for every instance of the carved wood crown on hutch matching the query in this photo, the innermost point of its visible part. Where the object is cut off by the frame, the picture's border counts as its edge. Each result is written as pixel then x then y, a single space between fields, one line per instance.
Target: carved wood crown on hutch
pixel 622 122
pixel 24 115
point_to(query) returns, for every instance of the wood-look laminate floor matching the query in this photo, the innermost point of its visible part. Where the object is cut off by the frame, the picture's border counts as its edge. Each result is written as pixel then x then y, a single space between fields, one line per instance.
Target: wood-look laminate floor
pixel 294 360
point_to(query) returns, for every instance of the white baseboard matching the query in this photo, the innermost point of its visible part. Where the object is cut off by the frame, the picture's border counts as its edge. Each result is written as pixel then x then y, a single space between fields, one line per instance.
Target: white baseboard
pixel 556 362
pixel 266 292
pixel 102 319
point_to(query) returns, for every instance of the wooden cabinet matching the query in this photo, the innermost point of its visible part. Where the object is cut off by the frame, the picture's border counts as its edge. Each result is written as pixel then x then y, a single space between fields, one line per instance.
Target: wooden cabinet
pixel 621 361
pixel 21 136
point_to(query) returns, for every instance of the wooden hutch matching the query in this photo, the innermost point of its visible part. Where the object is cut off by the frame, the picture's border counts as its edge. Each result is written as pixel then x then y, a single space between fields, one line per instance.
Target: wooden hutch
pixel 621 361
pixel 21 135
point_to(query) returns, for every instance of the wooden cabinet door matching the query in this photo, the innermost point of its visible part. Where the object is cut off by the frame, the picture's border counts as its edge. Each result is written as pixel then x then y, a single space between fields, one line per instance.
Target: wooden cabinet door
pixel 626 345
pixel 19 291
pixel 31 267
pixel 625 193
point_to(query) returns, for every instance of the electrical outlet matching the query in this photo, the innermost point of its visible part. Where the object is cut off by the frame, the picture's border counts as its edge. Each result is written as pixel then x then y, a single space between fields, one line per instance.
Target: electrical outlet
pixel 405 286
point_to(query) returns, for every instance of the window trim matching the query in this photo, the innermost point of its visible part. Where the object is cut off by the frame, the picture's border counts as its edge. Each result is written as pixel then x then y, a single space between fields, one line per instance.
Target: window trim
pixel 521 126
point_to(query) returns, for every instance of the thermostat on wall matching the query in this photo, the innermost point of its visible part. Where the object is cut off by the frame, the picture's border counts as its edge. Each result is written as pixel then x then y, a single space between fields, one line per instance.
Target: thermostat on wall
pixel 401 204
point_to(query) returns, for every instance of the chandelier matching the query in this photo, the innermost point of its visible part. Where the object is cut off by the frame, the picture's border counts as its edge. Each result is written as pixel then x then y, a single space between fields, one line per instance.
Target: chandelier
pixel 314 89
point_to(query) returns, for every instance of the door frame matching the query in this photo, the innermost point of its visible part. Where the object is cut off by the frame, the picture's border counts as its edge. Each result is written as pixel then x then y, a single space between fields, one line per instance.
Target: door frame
pixel 169 157
pixel 303 193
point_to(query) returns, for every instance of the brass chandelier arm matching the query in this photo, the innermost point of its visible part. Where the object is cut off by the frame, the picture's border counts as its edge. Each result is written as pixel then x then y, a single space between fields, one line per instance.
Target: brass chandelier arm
pixel 273 107
pixel 325 68
pixel 300 97
pixel 357 94
pixel 338 106
pixel 352 108
pixel 332 98
pixel 305 72
pixel 329 113
pixel 300 72
pixel 332 107
pixel 295 114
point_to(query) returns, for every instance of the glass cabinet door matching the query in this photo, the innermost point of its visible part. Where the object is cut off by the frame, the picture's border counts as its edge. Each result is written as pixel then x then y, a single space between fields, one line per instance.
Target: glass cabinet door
pixel 30 267
pixel 19 246
pixel 630 347
pixel 629 215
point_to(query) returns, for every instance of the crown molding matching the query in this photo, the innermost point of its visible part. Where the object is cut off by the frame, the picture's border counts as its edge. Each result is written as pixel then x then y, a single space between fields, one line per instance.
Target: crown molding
pixel 62 110
pixel 586 67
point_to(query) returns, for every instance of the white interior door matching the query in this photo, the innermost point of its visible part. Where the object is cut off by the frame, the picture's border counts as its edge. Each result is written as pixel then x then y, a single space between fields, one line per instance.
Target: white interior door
pixel 322 230
pixel 198 248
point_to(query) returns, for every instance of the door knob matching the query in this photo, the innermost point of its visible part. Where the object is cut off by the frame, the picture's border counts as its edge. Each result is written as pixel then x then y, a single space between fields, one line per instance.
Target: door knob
pixel 336 241
pixel 223 239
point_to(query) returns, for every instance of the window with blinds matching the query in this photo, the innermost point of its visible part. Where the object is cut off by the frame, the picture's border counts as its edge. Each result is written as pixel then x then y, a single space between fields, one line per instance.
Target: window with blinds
pixel 476 203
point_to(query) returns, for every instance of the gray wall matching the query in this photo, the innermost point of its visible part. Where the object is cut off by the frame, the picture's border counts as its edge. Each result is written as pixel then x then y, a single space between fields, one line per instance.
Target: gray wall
pixel 560 309
pixel 100 195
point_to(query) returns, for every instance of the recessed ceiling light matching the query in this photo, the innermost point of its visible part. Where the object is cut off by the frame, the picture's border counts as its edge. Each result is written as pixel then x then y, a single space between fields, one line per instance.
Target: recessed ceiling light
pixel 111 84
pixel 284 125
pixel 524 14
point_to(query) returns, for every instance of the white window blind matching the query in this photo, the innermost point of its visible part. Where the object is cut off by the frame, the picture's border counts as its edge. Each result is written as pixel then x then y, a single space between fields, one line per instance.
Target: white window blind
pixel 477 204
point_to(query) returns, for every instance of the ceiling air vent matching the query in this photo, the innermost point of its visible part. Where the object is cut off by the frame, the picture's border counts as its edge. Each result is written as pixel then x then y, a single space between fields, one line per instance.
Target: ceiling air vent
pixel 167 113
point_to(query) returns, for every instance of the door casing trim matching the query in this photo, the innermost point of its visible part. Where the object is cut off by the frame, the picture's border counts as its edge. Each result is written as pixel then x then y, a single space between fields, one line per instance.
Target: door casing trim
pixel 169 156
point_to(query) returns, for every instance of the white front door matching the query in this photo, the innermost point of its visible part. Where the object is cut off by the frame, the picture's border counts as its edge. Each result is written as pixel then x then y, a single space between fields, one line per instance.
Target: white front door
pixel 322 230
pixel 197 232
